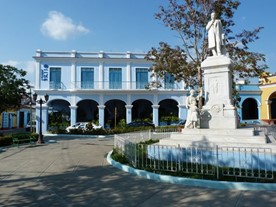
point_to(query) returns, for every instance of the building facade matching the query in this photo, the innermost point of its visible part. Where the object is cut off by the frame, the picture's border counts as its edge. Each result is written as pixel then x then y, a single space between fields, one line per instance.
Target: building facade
pixel 250 103
pixel 109 87
pixel 105 87
pixel 15 118
pixel 268 108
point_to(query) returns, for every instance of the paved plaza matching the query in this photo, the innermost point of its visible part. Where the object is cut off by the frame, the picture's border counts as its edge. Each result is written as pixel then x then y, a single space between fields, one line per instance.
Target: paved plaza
pixel 75 173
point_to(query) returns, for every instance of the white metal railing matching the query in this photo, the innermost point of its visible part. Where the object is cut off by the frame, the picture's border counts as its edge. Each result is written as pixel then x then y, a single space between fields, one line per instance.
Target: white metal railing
pixel 219 161
pixel 125 85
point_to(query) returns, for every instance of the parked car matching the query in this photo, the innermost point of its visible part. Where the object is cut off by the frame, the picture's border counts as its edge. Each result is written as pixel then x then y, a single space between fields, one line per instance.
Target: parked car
pixel 181 123
pixel 140 124
pixel 30 125
pixel 78 125
pixel 91 125
pixel 82 125
pixel 96 126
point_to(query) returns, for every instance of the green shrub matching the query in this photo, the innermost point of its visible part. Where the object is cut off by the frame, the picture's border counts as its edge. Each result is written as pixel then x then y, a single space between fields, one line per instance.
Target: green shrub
pixel 169 119
pixel 100 131
pixel 119 157
pixel 58 131
pixel 149 142
pixel 6 140
pixel 58 128
pixel 23 135
pixel 169 128
pixel 243 124
pixel 76 131
pixel 122 123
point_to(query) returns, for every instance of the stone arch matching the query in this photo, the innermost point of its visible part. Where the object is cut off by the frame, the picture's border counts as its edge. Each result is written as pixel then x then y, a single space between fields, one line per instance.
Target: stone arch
pixel 142 109
pixel 250 109
pixel 167 108
pixel 59 111
pixel 112 107
pixel 272 98
pixel 87 111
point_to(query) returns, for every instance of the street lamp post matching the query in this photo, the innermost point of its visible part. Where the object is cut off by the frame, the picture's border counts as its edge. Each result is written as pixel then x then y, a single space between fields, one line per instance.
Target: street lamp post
pixel 40 102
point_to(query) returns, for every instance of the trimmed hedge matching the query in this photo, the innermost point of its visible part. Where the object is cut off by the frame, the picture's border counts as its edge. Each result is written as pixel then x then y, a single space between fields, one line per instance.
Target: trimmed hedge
pixel 6 139
pixel 108 131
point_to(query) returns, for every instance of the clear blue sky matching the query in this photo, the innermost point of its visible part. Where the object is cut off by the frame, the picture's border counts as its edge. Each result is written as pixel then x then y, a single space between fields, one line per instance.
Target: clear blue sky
pixel 107 25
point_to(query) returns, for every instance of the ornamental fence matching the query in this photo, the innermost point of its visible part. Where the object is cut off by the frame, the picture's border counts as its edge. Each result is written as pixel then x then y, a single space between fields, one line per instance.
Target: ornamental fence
pixel 254 163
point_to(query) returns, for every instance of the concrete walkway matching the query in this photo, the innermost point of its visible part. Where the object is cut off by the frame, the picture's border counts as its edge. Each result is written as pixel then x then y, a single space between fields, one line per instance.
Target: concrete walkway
pixel 75 173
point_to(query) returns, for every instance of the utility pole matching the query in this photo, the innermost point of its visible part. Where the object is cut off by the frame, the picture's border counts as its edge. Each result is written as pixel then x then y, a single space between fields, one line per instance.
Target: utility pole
pixel 115 117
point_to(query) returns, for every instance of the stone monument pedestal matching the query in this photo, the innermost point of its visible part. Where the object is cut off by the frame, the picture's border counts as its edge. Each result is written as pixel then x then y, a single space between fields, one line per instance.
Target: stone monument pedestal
pixel 218 111
pixel 218 121
pixel 245 137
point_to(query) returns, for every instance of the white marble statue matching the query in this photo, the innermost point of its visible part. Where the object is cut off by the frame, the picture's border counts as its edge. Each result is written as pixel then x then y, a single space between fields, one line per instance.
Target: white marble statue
pixel 192 114
pixel 216 41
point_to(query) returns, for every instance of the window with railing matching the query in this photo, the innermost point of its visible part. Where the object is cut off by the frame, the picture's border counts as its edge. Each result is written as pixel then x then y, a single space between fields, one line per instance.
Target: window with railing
pixel 55 78
pixel 87 78
pixel 115 78
pixel 169 81
pixel 141 78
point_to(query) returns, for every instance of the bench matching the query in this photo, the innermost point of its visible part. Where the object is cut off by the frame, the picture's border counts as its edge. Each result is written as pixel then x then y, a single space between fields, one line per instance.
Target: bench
pixel 29 140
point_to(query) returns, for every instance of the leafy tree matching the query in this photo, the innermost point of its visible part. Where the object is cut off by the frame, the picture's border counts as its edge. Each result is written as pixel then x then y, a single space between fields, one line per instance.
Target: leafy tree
pixel 188 18
pixel 12 87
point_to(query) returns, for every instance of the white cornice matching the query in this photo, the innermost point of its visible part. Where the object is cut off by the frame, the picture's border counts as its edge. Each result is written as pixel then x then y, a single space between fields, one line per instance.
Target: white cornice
pixel 132 92
pixel 268 86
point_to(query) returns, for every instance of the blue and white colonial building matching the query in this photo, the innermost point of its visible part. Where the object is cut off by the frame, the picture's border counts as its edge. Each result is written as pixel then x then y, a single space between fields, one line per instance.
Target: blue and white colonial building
pixel 107 87
pixel 250 103
pixel 90 86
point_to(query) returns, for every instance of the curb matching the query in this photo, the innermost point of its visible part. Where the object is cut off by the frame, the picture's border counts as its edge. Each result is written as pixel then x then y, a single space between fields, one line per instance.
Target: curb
pixel 192 182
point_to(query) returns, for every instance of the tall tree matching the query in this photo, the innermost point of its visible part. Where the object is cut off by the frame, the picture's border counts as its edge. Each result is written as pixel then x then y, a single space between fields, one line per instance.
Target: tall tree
pixel 188 18
pixel 12 86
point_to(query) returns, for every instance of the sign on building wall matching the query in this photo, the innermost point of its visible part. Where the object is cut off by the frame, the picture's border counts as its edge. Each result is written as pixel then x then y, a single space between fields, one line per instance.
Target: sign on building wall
pixel 45 72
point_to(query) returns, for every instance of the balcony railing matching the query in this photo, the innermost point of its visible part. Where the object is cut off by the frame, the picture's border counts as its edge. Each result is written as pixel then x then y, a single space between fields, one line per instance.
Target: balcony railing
pixel 56 85
pixel 87 85
pixel 106 85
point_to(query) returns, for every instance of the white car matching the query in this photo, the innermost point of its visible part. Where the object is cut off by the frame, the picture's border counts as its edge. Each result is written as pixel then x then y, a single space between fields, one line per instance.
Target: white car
pixel 78 125
pixel 96 126
pixel 82 125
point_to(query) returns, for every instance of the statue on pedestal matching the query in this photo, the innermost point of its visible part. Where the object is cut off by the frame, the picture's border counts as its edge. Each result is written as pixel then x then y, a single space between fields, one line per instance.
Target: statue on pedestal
pixel 193 111
pixel 216 40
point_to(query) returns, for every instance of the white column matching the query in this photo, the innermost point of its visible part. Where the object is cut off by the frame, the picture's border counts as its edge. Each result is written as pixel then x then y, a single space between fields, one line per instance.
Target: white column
pixel 268 113
pixel 101 76
pixel 129 113
pixel 259 112
pixel 155 115
pixel 182 112
pixel 101 115
pixel 73 114
pixel 44 118
pixel 73 76
pixel 128 75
